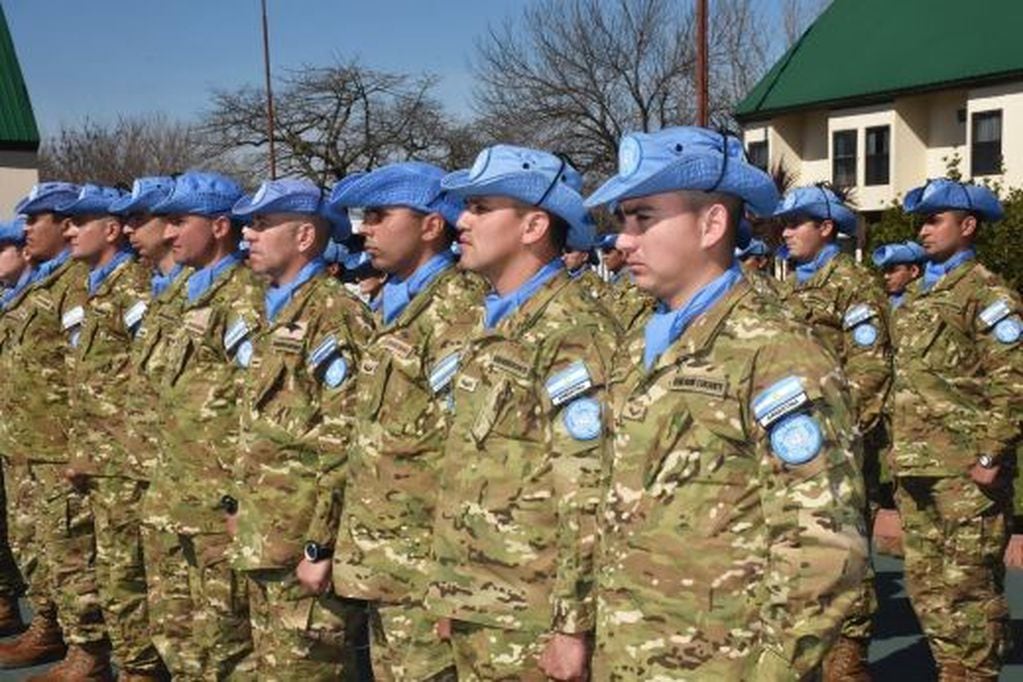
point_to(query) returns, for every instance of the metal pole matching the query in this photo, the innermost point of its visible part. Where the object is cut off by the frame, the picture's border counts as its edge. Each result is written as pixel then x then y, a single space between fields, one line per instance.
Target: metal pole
pixel 269 95
pixel 702 110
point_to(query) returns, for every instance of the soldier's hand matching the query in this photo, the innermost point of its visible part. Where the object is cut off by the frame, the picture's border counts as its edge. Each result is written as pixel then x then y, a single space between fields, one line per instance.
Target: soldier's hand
pixel 1014 552
pixel 566 658
pixel 888 532
pixel 314 577
pixel 231 522
pixel 983 476
pixel 443 629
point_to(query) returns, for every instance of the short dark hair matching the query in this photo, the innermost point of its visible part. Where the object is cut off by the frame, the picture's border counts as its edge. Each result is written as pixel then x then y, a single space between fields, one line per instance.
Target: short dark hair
pixel 699 200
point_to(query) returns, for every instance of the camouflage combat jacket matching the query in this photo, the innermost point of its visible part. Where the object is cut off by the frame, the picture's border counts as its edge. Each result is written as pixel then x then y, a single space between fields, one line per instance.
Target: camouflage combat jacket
pixel 383 545
pixel 296 418
pixel 39 323
pixel 959 373
pixel 848 311
pixel 140 438
pixel 199 396
pixel 516 513
pixel 100 369
pixel 719 559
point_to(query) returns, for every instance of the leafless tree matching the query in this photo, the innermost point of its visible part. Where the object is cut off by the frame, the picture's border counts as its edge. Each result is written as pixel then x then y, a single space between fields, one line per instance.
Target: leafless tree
pixel 331 121
pixel 797 15
pixel 116 153
pixel 574 75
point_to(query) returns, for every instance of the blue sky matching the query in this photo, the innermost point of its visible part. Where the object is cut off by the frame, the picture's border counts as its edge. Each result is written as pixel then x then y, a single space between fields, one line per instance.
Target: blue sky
pixel 99 58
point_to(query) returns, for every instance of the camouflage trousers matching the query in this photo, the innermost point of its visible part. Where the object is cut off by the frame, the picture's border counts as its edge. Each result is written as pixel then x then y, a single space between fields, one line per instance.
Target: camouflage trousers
pixel 404 646
pixel 20 490
pixel 955 537
pixel 493 654
pixel 120 572
pixel 65 527
pixel 299 636
pixel 198 607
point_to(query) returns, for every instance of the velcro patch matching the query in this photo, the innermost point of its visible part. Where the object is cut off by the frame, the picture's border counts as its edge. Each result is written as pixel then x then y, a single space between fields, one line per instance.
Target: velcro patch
pixel 73 318
pixel 569 383
pixel 698 383
pixel 369 365
pixel 779 399
pixel 133 315
pixel 858 314
pixel 444 371
pixel 45 302
pixel 467 383
pixel 995 313
pixel 396 346
pixel 237 331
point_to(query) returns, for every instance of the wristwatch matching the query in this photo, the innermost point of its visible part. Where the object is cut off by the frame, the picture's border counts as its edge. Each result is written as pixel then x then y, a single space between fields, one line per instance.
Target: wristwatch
pixel 315 552
pixel 229 505
pixel 987 462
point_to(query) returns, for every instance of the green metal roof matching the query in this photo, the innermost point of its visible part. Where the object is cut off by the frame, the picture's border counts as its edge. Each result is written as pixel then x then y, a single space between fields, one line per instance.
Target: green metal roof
pixel 17 122
pixel 862 50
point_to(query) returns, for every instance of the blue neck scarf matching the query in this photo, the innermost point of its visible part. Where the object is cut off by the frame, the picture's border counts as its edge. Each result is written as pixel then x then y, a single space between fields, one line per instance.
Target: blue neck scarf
pixel 397 294
pixel 895 300
pixel 935 271
pixel 805 271
pixel 99 275
pixel 578 272
pixel 201 280
pixel 160 282
pixel 665 326
pixel 497 307
pixel 277 297
pixel 47 268
pixel 12 293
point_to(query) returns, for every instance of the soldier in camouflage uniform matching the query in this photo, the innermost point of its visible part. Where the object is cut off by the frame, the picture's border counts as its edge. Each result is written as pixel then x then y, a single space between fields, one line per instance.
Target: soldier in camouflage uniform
pixel 901 264
pixel 958 382
pixel 428 308
pixel 98 374
pixel 623 299
pixel 49 520
pixel 198 605
pixel 15 274
pixel 515 523
pixel 846 308
pixel 732 537
pixel 296 412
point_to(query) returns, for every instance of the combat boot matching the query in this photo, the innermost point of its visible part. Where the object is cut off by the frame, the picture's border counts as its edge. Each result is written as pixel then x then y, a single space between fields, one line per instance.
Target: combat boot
pixel 846 662
pixel 10 617
pixel 41 643
pixel 83 663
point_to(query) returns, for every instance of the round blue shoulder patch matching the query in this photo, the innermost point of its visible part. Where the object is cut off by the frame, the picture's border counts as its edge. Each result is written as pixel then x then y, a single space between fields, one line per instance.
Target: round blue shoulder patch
pixel 796 439
pixel 1008 330
pixel 243 356
pixel 336 372
pixel 582 418
pixel 630 153
pixel 865 335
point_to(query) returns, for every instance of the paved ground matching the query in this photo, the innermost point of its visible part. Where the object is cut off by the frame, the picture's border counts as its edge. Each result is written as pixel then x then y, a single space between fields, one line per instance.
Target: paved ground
pixel 898 654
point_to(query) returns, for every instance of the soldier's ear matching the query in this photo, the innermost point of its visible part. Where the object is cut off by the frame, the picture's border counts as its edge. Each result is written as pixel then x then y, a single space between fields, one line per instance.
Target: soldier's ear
pixel 434 227
pixel 714 222
pixel 827 228
pixel 969 225
pixel 114 231
pixel 221 227
pixel 536 224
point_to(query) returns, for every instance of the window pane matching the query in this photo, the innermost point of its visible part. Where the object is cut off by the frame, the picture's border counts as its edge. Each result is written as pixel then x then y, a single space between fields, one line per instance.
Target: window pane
pixel 877 142
pixel 757 153
pixel 843 161
pixel 986 151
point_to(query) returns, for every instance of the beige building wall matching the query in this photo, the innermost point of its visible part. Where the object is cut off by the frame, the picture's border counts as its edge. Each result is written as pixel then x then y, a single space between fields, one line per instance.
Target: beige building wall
pixel 18 172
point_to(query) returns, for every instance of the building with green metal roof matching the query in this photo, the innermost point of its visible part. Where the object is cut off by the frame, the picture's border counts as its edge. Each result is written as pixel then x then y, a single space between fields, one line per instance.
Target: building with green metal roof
pixel 879 95
pixel 19 136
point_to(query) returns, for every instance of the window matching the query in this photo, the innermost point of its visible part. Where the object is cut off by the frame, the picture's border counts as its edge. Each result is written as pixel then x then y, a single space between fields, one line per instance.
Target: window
pixel 986 152
pixel 756 152
pixel 877 156
pixel 843 158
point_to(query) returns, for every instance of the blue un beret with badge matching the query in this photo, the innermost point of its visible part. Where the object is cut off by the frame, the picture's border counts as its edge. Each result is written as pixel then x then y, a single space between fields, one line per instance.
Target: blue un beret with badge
pixel 46 196
pixel 756 247
pixel 607 242
pixel 91 200
pixel 293 196
pixel 13 232
pixel 686 158
pixel 145 194
pixel 201 193
pixel 412 184
pixel 942 194
pixel 906 253
pixel 534 177
pixel 818 203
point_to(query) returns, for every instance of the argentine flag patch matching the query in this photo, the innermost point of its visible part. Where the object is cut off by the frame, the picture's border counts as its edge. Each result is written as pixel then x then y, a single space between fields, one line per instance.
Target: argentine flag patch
pixel 326 362
pixel 568 383
pixel 133 317
pixel 795 436
pixel 443 372
pixel 235 341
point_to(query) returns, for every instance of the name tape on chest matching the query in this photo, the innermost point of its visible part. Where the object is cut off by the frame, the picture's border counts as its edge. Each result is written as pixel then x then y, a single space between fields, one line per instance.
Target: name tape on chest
pixel 568 383
pixel 778 400
pixel 443 372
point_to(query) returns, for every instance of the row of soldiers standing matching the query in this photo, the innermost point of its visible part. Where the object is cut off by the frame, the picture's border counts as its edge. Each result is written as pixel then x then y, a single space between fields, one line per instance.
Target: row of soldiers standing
pixel 221 466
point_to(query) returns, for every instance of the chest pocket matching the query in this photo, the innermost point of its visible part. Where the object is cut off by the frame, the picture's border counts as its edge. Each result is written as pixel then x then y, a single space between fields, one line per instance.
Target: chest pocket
pixel 374 371
pixel 511 405
pixel 400 385
pixel 949 345
pixel 24 317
